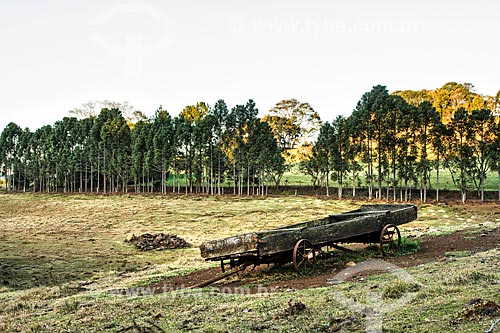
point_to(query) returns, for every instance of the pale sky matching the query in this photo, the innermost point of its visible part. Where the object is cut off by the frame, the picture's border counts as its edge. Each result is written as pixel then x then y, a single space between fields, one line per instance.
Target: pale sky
pixel 56 55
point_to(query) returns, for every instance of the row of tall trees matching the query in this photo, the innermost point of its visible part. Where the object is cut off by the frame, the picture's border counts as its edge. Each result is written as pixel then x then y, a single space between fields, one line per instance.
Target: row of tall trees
pixel 200 150
pixel 389 145
pixel 397 139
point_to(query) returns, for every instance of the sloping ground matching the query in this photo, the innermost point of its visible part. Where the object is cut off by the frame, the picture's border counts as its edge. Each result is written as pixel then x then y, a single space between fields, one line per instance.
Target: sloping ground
pixel 62 254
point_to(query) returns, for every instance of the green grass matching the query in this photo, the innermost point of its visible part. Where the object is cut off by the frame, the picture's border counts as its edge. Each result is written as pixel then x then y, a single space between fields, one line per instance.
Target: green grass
pixel 409 246
pixel 295 177
pixel 458 254
pixel 60 255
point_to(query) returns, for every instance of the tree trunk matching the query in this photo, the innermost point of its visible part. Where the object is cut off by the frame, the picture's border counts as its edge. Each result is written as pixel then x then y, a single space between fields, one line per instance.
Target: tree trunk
pixel 424 158
pixel 248 178
pixel 379 179
pixel 370 171
pixel 379 166
pixel 327 182
pixel 234 178
pixel 437 179
pixel 481 185
pixel 174 176
pixel 218 173
pixel 498 180
pixel 425 188
pixel 353 183
pixel 105 179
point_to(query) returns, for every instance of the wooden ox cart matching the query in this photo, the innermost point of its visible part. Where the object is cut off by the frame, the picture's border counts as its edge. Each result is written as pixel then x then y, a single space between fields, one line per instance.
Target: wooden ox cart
pixel 299 243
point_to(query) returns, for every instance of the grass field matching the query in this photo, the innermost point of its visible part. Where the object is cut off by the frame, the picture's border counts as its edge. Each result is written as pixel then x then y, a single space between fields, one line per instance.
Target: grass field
pixel 294 177
pixel 61 255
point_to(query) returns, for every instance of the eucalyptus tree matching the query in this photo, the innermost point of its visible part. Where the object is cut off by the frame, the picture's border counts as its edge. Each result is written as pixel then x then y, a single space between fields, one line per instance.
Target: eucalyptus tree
pixel 370 119
pixel 362 135
pixel 110 136
pixel 162 131
pixel 238 122
pixel 203 136
pixel 265 159
pixel 9 154
pixel 495 150
pixel 185 150
pixel 483 128
pixel 140 146
pixel 343 152
pixel 438 133
pixel 426 117
pixel 25 159
pixel 333 154
pixel 356 149
pixel 218 120
pixel 323 151
pixel 311 167
pixel 64 141
pixel 407 158
pixel 46 157
pixel 36 165
pixel 115 142
pixel 192 129
pixel 395 113
pixel 459 157
pixel 379 108
pixel 84 151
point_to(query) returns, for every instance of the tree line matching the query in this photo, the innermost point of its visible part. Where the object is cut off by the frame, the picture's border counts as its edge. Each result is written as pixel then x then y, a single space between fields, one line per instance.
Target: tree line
pixel 199 151
pixel 388 145
pixel 391 142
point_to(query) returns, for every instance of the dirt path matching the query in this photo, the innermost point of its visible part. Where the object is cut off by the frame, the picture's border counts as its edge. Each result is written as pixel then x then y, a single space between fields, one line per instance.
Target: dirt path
pixel 432 248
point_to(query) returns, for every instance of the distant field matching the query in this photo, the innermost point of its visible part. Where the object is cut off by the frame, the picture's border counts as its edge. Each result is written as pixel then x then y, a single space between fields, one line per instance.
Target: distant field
pixel 295 177
pixel 60 255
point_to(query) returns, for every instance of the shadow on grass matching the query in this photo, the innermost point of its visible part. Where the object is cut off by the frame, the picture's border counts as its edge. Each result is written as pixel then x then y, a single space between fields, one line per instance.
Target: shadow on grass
pixel 26 273
pixel 22 273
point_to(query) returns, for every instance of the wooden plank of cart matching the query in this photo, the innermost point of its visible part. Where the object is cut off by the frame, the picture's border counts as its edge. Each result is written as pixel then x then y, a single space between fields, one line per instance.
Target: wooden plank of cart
pixel 300 243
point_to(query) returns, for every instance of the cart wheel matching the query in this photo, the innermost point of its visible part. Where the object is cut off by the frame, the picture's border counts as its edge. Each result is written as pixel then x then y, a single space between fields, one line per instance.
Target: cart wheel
pixel 304 257
pixel 390 240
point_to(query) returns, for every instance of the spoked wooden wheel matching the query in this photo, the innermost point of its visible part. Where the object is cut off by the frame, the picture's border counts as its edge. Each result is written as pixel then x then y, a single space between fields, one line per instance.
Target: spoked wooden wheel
pixel 304 257
pixel 390 240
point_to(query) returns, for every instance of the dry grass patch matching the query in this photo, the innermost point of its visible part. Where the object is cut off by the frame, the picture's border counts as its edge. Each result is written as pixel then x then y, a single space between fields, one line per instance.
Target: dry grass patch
pixel 61 254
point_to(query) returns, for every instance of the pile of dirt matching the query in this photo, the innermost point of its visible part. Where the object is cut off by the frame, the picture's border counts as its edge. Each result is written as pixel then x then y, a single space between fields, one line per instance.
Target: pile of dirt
pixel 294 308
pixel 479 308
pixel 161 241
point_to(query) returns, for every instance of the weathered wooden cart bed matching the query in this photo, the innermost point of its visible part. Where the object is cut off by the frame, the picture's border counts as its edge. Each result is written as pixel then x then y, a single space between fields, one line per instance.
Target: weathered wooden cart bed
pixel 300 242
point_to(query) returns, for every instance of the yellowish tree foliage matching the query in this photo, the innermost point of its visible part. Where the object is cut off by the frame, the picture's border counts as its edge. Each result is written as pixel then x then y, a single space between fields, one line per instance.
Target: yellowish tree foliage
pixel 194 113
pixel 292 122
pixel 449 98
